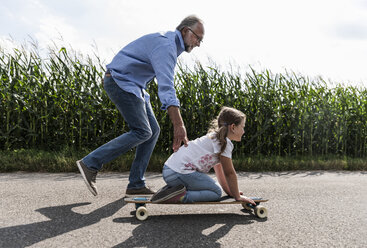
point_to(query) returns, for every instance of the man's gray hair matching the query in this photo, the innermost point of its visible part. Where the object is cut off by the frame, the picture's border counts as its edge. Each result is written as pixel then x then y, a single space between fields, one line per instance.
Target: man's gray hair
pixel 189 21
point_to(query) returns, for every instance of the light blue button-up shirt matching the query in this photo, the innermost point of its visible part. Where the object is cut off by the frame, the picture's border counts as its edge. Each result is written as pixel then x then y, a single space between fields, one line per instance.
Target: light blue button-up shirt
pixel 153 55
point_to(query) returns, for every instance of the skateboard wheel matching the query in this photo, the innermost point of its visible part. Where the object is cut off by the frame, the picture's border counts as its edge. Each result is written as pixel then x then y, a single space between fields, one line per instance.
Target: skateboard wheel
pixel 261 212
pixel 246 206
pixel 141 213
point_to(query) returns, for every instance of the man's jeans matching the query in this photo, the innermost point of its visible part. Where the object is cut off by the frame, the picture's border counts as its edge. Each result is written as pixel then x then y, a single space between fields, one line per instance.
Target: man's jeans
pixel 143 134
pixel 199 186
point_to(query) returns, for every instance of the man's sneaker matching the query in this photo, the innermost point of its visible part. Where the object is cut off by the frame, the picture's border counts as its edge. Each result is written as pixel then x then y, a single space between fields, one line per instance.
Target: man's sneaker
pixel 167 193
pixel 141 191
pixel 89 176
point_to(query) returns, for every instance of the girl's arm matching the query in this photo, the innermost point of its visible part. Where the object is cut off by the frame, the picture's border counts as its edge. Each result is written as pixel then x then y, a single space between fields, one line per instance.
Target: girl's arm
pixel 231 178
pixel 221 178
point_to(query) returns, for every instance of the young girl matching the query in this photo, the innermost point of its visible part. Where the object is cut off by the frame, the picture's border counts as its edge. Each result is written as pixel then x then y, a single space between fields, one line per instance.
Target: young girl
pixel 185 170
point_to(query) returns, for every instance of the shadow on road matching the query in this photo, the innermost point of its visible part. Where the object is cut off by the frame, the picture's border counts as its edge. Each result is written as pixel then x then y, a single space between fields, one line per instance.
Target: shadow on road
pixel 184 230
pixel 62 220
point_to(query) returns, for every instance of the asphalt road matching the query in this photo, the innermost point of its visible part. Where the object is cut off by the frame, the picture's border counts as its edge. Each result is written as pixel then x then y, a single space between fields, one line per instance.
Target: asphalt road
pixel 306 209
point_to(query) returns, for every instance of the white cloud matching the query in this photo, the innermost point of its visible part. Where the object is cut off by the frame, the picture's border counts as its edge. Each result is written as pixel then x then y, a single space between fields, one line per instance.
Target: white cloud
pixel 310 36
pixel 53 28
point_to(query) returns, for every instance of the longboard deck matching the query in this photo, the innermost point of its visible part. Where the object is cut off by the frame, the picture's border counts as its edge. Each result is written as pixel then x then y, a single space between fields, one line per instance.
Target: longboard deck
pixel 223 200
pixel 141 212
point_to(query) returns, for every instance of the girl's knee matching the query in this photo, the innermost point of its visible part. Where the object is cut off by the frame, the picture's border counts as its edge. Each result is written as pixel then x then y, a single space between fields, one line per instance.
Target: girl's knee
pixel 215 195
pixel 218 195
pixel 218 191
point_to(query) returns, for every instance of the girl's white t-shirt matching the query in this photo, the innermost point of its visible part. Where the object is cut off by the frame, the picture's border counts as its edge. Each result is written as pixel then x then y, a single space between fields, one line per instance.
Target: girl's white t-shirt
pixel 200 155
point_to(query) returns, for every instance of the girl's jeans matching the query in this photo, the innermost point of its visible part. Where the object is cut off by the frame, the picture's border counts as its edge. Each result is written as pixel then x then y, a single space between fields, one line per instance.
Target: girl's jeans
pixel 143 134
pixel 199 186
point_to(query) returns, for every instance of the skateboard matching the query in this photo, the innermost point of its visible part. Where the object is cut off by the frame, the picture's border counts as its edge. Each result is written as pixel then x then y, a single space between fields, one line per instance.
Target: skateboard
pixel 142 212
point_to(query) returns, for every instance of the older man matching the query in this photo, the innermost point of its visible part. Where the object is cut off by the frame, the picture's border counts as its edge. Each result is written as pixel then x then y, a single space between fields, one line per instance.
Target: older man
pixel 151 56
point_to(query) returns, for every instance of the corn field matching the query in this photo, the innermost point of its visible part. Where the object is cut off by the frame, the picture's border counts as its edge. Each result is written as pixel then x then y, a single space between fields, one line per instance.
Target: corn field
pixel 57 102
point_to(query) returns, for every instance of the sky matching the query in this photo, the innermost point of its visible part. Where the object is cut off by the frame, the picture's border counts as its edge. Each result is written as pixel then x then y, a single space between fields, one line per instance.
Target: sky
pixel 326 38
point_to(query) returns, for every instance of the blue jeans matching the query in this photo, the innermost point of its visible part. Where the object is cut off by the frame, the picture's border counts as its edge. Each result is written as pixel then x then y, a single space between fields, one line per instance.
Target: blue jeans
pixel 143 134
pixel 199 186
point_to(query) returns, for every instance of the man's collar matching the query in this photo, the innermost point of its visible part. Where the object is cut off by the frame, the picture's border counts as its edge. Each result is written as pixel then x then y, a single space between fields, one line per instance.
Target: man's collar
pixel 179 42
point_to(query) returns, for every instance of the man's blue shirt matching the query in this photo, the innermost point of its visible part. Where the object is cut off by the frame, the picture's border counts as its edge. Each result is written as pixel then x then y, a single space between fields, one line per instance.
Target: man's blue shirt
pixel 153 55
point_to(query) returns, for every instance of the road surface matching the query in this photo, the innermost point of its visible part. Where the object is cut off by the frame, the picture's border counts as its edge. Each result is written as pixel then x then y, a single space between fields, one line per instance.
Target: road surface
pixel 306 209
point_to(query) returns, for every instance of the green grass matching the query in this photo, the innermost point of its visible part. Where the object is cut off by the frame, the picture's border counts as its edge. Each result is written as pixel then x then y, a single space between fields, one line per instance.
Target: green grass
pixel 64 161
pixel 32 160
pixel 277 163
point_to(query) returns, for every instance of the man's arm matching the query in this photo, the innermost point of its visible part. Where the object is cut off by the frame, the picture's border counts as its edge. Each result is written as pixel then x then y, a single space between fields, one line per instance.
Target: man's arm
pixel 179 130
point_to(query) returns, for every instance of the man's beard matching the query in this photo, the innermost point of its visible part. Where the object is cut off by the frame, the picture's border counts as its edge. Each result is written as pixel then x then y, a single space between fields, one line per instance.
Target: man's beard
pixel 187 48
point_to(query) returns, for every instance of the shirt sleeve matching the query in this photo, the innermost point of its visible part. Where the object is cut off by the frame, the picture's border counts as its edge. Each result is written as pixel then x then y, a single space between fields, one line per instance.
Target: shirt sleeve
pixel 163 60
pixel 227 151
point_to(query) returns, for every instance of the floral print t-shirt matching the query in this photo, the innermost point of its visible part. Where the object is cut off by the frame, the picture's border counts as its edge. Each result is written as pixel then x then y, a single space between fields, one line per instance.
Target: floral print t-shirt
pixel 200 155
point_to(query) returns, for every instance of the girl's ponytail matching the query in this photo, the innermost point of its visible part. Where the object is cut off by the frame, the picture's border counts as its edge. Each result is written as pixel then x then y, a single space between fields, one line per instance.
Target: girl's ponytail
pixel 219 126
pixel 222 137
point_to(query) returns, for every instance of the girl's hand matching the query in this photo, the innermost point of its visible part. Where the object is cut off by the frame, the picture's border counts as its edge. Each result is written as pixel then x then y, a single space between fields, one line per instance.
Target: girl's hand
pixel 246 199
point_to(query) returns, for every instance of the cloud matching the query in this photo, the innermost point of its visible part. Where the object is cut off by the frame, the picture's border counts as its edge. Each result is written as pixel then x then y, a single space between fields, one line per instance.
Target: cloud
pixel 348 20
pixel 53 28
pixel 310 36
pixel 351 30
pixel 63 23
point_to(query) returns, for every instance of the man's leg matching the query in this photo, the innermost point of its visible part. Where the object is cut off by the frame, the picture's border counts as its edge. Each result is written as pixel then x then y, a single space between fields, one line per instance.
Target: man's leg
pixel 133 110
pixel 144 152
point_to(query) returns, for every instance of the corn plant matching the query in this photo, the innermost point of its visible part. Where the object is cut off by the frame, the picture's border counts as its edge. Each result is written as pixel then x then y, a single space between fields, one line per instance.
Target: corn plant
pixel 58 101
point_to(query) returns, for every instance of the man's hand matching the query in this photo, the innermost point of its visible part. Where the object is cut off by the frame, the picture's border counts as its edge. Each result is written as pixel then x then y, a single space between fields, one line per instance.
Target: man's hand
pixel 179 136
pixel 179 130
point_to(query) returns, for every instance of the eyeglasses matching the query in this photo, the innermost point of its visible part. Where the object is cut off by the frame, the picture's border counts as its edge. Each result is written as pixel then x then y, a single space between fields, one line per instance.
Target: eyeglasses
pixel 197 36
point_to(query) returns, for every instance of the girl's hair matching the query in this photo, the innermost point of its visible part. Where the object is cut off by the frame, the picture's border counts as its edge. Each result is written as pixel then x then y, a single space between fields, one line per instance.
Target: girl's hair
pixel 226 117
pixel 189 21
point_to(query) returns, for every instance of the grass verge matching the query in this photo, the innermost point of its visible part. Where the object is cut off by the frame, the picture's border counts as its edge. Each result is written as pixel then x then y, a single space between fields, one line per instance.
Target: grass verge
pixel 64 161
